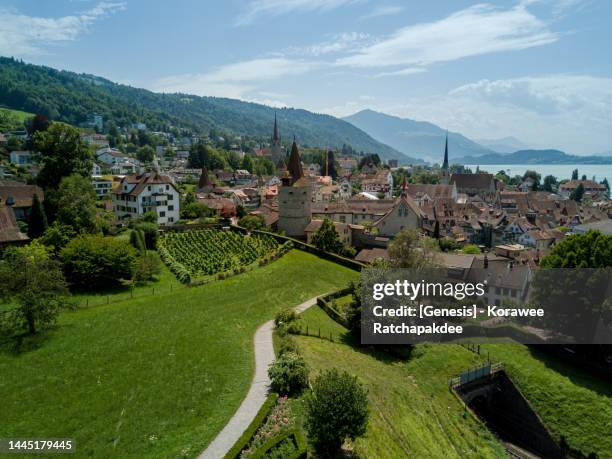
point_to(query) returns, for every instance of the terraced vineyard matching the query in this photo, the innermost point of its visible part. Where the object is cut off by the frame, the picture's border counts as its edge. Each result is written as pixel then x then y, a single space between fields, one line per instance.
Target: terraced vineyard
pixel 200 253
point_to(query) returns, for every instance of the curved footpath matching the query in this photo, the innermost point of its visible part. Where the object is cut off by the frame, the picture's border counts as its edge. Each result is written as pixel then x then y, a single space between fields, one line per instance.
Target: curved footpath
pixel 242 418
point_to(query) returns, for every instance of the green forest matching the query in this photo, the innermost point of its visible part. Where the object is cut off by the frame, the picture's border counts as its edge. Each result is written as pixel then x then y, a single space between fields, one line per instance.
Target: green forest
pixel 73 98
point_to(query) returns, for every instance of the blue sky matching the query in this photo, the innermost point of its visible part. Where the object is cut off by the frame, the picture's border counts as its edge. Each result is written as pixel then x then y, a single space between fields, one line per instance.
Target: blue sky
pixel 538 70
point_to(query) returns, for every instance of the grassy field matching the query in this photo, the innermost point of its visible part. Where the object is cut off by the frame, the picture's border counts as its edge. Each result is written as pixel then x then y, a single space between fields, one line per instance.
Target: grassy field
pixel 414 414
pixel 571 402
pixel 412 411
pixel 152 376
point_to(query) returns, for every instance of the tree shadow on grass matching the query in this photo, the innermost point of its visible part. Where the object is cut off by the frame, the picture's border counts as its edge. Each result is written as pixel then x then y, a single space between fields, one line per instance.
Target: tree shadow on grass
pixel 17 344
pixel 574 371
pixel 389 354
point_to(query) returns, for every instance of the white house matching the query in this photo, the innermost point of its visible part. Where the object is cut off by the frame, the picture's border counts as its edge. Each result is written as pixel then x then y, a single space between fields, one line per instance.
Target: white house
pixel 96 170
pixel 103 186
pixel 126 167
pixel 23 158
pixel 110 156
pixel 146 192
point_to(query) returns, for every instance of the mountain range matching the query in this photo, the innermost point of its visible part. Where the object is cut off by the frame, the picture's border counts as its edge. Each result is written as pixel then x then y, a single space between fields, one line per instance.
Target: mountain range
pixel 73 98
pixel 415 138
pixel 534 157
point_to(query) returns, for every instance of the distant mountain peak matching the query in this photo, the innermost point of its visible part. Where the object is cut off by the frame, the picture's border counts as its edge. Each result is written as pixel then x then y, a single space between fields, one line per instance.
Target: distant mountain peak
pixel 420 139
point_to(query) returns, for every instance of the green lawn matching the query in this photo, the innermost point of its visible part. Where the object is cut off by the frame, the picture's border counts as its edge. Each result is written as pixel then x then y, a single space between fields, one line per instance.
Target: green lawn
pixel 571 402
pixel 413 413
pixel 154 376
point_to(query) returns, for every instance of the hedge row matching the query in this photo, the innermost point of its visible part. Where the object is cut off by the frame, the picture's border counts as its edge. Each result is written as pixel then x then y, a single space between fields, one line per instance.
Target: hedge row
pixel 325 302
pixel 246 437
pixel 181 273
pixel 300 444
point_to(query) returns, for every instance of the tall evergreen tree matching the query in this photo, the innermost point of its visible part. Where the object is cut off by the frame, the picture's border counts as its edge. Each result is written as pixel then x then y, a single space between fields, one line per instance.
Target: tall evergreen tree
pixel 37 223
pixel 575 174
pixel 578 193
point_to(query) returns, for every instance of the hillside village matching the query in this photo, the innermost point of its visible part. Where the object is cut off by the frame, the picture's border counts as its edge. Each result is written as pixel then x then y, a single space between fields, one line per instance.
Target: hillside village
pixel 367 200
pixel 200 239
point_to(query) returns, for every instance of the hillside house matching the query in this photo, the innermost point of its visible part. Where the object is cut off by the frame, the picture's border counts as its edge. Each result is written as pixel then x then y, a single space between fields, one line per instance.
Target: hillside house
pixel 138 194
pixel 19 197
pixel 23 158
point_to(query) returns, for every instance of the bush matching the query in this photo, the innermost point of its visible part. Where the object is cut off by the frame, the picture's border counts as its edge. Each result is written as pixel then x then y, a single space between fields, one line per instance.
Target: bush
pixel 147 267
pixel 287 344
pixel 289 374
pixel 137 239
pixel 150 231
pixel 336 409
pixel 285 317
pixel 471 249
pixel 96 261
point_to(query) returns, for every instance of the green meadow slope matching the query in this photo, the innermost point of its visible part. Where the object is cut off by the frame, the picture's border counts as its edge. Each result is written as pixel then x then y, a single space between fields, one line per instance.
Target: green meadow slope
pixel 154 376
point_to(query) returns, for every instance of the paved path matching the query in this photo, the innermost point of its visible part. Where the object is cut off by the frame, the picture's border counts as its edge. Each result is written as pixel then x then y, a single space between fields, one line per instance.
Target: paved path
pixel 264 356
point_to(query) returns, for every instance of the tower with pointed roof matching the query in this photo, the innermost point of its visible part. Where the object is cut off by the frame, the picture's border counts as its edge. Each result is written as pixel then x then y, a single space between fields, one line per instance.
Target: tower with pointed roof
pixel 445 179
pixel 204 183
pixel 294 197
pixel 275 143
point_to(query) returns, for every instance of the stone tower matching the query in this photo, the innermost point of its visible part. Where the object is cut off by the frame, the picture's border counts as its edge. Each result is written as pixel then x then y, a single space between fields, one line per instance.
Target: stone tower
pixel 275 143
pixel 294 197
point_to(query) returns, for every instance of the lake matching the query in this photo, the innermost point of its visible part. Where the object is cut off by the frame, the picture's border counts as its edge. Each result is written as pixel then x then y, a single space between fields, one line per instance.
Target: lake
pixel 561 171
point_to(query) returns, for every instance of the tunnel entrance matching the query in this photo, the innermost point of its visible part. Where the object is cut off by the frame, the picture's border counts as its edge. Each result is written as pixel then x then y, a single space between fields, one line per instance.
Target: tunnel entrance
pixel 493 397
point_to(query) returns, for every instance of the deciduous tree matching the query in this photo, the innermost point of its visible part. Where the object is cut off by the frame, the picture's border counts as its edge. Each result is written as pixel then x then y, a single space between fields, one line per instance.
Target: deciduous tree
pixel 31 279
pixel 336 409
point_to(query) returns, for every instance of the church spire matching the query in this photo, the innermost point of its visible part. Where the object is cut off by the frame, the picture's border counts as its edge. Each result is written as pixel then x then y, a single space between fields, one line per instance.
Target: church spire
pixel 445 163
pixel 275 133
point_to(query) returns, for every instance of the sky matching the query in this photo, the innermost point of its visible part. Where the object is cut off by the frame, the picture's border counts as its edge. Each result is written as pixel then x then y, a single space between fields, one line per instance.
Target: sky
pixel 537 70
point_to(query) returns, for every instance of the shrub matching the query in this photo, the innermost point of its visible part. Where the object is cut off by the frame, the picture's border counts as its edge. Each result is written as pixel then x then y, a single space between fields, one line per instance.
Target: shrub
pixel 336 409
pixel 137 240
pixel 287 344
pixel 285 316
pixel 96 261
pixel 147 267
pixel 150 231
pixel 289 373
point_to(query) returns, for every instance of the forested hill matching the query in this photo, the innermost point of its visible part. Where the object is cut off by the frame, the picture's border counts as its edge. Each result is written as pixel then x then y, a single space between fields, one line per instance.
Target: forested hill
pixel 73 98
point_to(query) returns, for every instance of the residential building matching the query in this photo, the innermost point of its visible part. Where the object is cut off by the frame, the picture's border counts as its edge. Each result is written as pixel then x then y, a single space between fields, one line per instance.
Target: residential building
pixel 343 230
pixel 591 188
pixel 19 196
pixel 96 170
pixel 480 184
pixel 10 234
pixel 23 158
pixel 103 186
pixel 146 192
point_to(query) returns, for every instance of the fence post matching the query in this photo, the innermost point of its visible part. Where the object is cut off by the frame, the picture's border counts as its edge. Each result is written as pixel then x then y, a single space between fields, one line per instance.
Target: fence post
pixel 87 302
pixel 307 331
pixel 319 332
pixel 153 290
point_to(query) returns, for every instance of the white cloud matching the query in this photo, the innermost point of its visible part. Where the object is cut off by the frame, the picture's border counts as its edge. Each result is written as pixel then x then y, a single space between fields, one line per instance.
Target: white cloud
pixel 383 10
pixel 402 72
pixel 257 8
pixel 22 35
pixel 234 80
pixel 570 112
pixel 479 29
pixel 343 42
